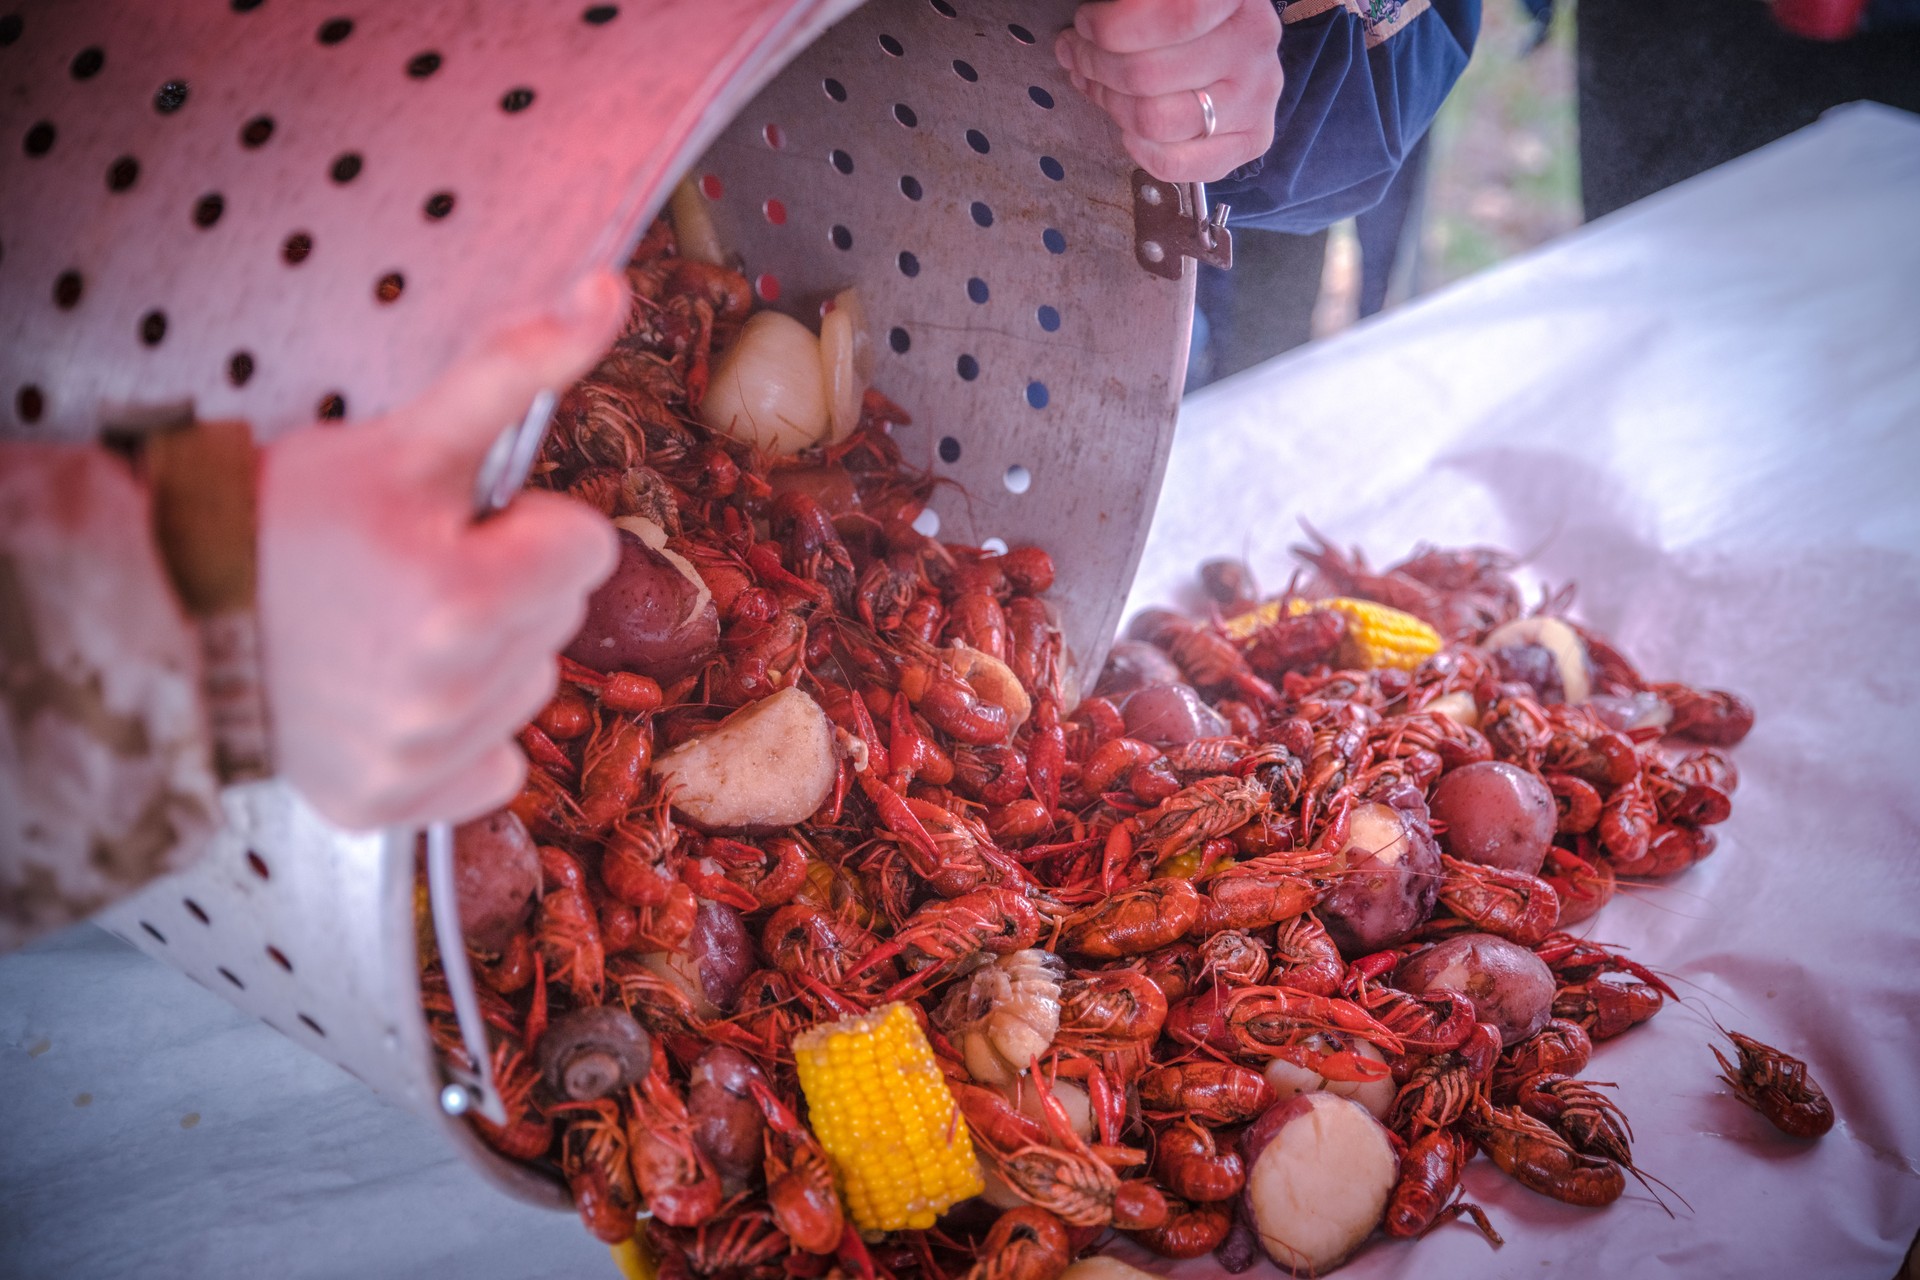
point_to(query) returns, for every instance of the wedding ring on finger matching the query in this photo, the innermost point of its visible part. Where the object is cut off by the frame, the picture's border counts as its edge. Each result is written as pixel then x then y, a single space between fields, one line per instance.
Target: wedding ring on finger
pixel 1208 121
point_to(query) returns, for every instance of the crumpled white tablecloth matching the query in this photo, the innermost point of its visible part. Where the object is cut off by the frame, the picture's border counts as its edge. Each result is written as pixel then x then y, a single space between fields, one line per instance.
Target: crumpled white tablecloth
pixel 1705 410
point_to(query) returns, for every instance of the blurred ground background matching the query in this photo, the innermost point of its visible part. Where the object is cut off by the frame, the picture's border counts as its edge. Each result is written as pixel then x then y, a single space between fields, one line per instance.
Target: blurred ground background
pixel 1504 174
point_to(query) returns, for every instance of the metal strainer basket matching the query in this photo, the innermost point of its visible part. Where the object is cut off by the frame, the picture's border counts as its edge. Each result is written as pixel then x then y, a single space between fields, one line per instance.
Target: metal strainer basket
pixel 282 210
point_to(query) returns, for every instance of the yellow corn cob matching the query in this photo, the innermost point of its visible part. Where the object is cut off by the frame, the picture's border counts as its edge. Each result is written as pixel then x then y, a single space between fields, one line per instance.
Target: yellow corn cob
pixel 882 1111
pixel 634 1259
pixel 1377 636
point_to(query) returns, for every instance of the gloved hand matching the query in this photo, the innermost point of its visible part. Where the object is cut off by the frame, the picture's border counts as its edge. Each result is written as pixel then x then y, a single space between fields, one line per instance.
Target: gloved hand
pixel 403 643
pixel 1141 61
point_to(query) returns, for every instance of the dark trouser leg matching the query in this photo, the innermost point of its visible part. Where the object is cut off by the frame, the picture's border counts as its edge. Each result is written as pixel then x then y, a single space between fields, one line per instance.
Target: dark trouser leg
pixel 1265 304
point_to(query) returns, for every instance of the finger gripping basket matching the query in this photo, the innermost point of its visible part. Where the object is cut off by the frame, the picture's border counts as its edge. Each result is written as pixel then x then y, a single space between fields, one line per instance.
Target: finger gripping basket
pixel 284 211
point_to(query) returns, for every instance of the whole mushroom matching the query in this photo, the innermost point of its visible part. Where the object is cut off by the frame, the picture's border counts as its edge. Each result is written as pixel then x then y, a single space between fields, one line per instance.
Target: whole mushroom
pixel 594 1052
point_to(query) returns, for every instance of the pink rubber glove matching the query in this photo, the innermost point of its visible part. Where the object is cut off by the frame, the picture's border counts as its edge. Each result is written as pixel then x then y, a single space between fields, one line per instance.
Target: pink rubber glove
pixel 405 644
pixel 1140 61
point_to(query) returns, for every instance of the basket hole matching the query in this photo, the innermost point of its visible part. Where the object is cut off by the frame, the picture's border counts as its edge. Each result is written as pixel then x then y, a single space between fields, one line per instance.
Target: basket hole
pixel 195 910
pixel 840 160
pixel 87 63
pixel 258 865
pixel 927 523
pixel 944 9
pixel 153 328
pixel 297 248
pixel 910 187
pixel 978 141
pixel 67 290
pixel 516 100
pixel 949 449
pixel 439 205
pixel 1018 479
pixel 1019 33
pixel 1052 168
pixel 982 213
pixel 1055 242
pixel 841 237
pixel 1037 394
pixel 600 15
pixel 279 957
pixel 1041 98
pixel 909 265
pixel 711 187
pixel 123 173
pixel 9 29
pixel 767 285
pixel 834 89
pixel 154 933
pixel 332 407
pixel 967 367
pixel 30 403
pixel 892 47
pixel 995 546
pixel 334 30
pixel 246 6
pixel 256 132
pixel 207 209
pixel 346 168
pixel 904 114
pixel 965 71
pixel 170 97
pixel 900 340
pixel 977 290
pixel 422 65
pixel 313 1026
pixel 389 288
pixel 776 213
pixel 239 371
pixel 775 136
pixel 230 976
pixel 1048 318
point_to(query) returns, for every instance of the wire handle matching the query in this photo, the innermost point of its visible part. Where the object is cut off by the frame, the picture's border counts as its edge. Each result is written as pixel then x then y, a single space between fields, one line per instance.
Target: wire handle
pixel 502 474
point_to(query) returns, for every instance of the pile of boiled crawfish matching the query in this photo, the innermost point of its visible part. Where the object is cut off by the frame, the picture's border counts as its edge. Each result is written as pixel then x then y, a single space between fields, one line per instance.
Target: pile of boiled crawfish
pixel 1104 904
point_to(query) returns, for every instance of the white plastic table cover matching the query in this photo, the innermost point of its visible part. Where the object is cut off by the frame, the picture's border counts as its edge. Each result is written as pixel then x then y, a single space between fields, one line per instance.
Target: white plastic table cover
pixel 1705 410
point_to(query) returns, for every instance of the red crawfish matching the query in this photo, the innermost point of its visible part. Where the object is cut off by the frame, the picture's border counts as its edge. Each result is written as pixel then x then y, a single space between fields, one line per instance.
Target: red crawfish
pixel 1026 1243
pixel 1559 1048
pixel 594 1158
pixel 567 928
pixel 1211 1093
pixel 1576 960
pixel 737 1240
pixel 1274 1022
pixel 1539 1159
pixel 1211 807
pixel 1067 1178
pixel 800 1191
pixel 1607 1009
pixel 1585 1117
pixel 612 772
pixel 1133 921
pixel 1438 1022
pixel 949 932
pixel 1443 1087
pixel 1626 825
pixel 1584 886
pixel 679 1182
pixel 1196 1164
pixel 1190 1231
pixel 1305 958
pixel 1710 716
pixel 527 1134
pixel 1777 1085
pixel 1234 958
pixel 1512 904
pixel 1113 1009
pixel 1429 1179
pixel 1209 660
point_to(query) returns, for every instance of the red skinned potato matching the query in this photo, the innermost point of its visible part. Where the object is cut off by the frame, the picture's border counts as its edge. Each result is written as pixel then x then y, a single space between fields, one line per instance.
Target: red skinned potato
pixel 1388 889
pixel 1319 1172
pixel 1135 664
pixel 496 875
pixel 766 766
pixel 727 1122
pixel 1497 814
pixel 1510 987
pixel 713 964
pixel 1165 714
pixel 654 616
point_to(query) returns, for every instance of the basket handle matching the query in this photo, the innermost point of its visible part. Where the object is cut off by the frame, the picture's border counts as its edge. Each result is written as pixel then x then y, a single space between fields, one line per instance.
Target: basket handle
pixel 502 474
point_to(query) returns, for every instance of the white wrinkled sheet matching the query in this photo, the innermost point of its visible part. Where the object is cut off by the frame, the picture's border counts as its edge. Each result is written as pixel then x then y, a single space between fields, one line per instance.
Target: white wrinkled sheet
pixel 1706 410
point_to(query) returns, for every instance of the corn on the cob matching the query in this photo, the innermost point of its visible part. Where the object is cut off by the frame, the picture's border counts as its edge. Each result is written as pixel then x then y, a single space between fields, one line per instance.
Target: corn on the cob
pixel 882 1111
pixel 634 1259
pixel 1377 636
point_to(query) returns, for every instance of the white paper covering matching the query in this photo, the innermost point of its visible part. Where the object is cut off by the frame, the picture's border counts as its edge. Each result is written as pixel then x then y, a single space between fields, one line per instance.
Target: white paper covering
pixel 1705 410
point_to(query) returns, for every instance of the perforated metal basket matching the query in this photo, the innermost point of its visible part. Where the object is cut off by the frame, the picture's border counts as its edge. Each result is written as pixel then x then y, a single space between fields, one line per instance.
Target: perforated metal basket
pixel 277 211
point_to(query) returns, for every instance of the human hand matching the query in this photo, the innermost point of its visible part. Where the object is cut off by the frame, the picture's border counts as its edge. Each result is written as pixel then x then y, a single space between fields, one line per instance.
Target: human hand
pixel 403 642
pixel 1141 61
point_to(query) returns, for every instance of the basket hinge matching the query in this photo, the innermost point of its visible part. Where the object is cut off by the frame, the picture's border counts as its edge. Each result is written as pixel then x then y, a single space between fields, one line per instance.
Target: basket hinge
pixel 1171 222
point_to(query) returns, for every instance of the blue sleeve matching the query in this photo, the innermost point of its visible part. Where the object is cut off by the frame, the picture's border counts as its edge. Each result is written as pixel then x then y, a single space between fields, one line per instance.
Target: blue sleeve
pixel 1359 93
